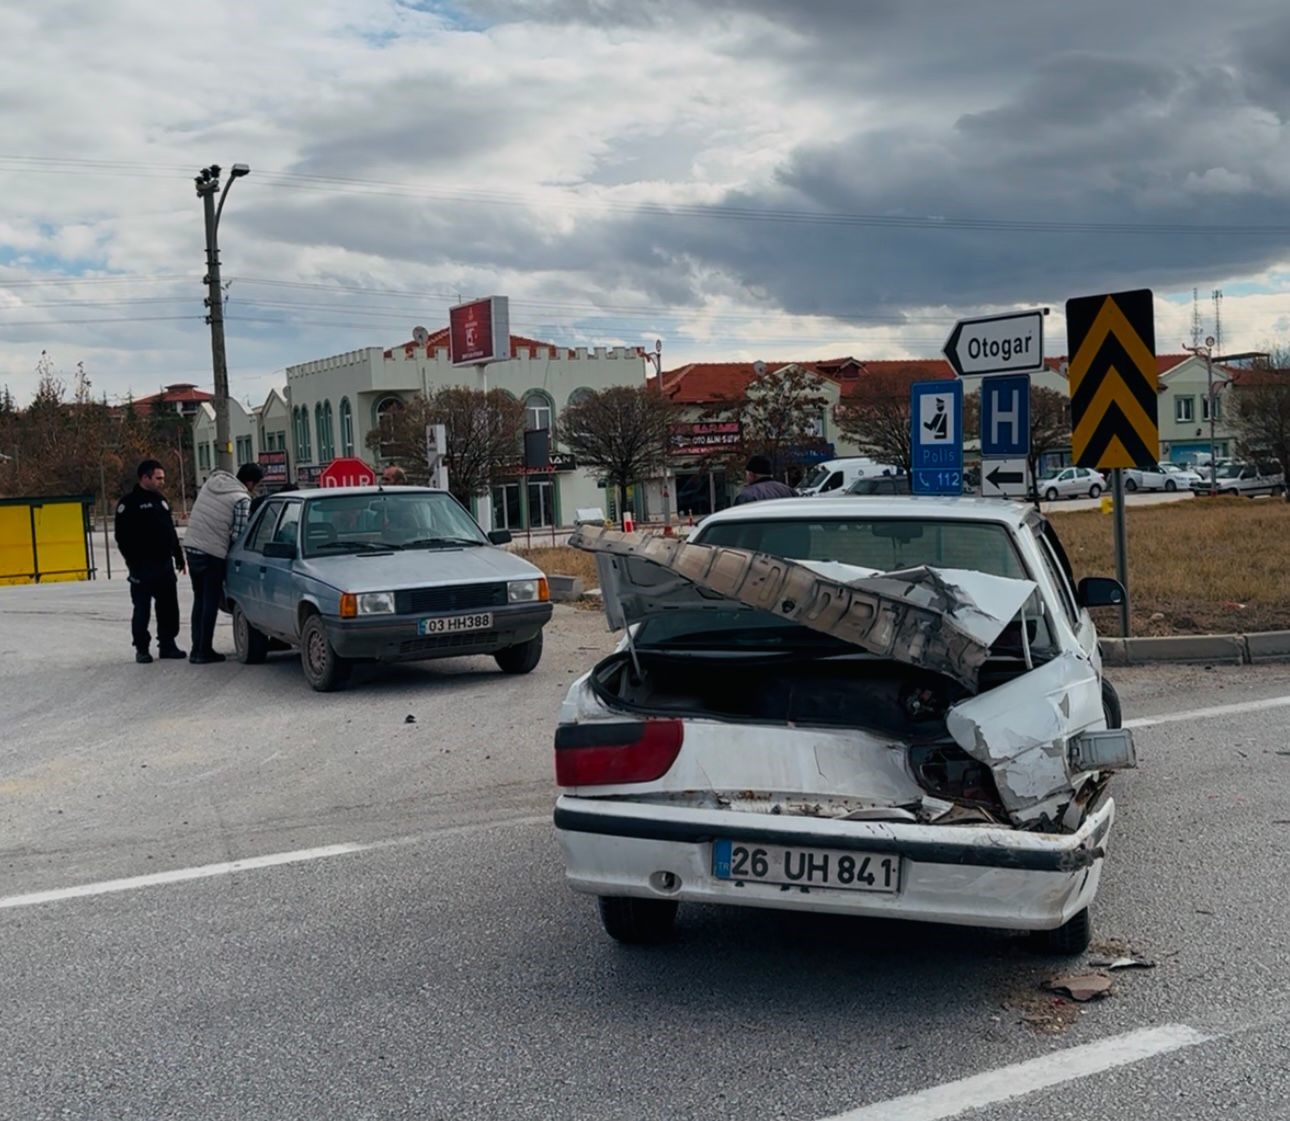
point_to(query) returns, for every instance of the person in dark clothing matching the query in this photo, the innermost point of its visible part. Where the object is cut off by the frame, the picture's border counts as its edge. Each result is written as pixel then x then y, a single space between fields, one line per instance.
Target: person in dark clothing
pixel 145 534
pixel 760 485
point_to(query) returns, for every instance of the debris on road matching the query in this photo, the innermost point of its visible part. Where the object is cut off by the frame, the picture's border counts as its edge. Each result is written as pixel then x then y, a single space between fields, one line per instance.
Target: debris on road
pixel 1081 987
pixel 409 719
pixel 1121 963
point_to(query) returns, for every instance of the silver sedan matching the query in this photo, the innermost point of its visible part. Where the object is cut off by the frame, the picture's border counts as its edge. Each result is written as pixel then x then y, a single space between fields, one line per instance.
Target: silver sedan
pixel 1071 482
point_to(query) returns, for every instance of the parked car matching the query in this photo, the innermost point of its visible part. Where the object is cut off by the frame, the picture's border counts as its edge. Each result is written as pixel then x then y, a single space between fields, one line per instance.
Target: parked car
pixel 380 574
pixel 880 484
pixel 790 727
pixel 1249 480
pixel 835 475
pixel 1071 482
pixel 1182 477
pixel 1148 478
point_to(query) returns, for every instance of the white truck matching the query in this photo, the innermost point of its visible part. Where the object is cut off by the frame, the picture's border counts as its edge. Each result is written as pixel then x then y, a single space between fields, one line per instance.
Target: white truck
pixel 833 476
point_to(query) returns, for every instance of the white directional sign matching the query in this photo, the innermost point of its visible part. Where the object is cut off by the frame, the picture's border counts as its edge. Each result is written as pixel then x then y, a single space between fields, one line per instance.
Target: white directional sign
pixel 997 344
pixel 1004 478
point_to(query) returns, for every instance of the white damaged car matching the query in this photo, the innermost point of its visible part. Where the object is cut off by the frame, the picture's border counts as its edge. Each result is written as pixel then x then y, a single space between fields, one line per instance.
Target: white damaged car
pixel 893 709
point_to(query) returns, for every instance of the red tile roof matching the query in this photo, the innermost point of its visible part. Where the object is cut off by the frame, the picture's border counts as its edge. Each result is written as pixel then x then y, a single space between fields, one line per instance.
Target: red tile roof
pixel 702 383
pixel 180 393
pixel 438 340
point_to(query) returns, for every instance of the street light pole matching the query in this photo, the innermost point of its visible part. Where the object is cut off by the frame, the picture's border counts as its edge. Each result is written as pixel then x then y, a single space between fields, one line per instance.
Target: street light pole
pixel 207 187
pixel 656 359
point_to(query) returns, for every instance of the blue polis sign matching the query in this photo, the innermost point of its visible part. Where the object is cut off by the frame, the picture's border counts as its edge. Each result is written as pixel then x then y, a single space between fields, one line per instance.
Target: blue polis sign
pixel 936 437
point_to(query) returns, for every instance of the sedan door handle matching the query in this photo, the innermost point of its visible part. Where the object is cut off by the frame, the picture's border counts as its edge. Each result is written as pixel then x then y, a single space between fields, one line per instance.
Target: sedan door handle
pixel 263 569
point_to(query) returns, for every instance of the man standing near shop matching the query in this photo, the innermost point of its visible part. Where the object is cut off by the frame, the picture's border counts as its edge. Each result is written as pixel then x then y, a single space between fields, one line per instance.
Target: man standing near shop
pixel 145 534
pixel 761 485
pixel 217 519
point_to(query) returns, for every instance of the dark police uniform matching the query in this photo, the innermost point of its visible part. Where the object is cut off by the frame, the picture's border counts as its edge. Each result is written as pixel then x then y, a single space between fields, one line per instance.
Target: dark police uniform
pixel 145 534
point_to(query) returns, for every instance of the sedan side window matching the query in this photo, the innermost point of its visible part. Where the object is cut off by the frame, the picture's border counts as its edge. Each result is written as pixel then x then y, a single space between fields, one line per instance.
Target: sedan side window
pixel 289 527
pixel 1058 578
pixel 262 532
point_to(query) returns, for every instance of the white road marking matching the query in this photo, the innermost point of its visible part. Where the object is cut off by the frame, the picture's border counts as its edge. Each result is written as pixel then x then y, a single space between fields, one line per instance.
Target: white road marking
pixel 1206 713
pixel 250 864
pixel 953 1099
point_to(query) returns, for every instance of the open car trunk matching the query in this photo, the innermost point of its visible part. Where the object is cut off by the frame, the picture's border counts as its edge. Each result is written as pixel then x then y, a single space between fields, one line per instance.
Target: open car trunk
pixel 909 680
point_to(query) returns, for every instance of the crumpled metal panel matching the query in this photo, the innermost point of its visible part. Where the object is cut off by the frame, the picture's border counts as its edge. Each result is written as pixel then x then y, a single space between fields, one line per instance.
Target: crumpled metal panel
pixel 920 616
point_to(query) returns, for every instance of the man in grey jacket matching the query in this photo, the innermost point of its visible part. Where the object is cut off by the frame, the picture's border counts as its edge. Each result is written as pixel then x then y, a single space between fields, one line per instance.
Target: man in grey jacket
pixel 218 518
pixel 761 485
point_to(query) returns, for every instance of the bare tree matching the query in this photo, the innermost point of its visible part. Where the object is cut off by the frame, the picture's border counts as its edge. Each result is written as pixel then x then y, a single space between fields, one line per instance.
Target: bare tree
pixel 1050 424
pixel 875 415
pixel 622 432
pixel 1261 408
pixel 779 414
pixel 485 434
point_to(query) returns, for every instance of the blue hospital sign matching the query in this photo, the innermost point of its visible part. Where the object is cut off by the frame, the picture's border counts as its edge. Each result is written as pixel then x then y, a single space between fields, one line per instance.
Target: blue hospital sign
pixel 1005 416
pixel 936 437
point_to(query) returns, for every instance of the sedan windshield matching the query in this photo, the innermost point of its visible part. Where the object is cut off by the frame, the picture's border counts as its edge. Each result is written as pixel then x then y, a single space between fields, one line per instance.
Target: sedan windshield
pixel 386 520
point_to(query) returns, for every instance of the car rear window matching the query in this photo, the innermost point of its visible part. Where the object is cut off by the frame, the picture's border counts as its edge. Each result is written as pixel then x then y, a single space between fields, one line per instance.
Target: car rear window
pixel 882 543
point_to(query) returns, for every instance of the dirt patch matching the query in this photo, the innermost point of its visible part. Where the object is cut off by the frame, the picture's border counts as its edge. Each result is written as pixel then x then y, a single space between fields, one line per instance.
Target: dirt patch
pixel 1044 1013
pixel 1203 566
pixel 563 561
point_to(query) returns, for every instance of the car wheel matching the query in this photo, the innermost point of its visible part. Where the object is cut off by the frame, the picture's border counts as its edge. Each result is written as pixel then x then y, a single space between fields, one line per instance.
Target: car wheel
pixel 1094 491
pixel 637 922
pixel 1111 705
pixel 1130 485
pixel 522 658
pixel 324 669
pixel 1069 939
pixel 251 645
pixel 1050 495
pixel 1170 485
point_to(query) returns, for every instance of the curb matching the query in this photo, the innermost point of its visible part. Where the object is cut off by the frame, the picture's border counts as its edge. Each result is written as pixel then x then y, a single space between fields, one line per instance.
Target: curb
pixel 1223 649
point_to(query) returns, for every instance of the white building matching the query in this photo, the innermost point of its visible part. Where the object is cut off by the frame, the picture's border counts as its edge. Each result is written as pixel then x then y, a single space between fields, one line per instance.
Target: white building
pixel 258 434
pixel 335 403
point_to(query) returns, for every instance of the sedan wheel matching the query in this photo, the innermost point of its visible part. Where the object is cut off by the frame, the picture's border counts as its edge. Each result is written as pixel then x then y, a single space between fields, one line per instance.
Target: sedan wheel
pixel 522 658
pixel 324 669
pixel 639 922
pixel 1094 491
pixel 1130 485
pixel 1067 940
pixel 251 645
pixel 1170 485
pixel 1050 495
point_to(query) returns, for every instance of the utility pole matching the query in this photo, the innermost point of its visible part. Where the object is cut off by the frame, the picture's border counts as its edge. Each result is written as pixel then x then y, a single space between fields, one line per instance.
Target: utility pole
pixel 207 188
pixel 655 358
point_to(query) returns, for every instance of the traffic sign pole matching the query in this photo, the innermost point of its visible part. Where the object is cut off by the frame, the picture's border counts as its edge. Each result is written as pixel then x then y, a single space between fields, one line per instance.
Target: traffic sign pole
pixel 1121 546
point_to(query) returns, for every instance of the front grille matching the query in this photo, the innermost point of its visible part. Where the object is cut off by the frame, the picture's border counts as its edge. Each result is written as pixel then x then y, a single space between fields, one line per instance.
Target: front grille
pixel 460 597
pixel 446 641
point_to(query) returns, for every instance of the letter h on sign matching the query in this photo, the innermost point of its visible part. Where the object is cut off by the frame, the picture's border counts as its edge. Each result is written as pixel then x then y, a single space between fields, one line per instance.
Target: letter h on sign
pixel 1005 416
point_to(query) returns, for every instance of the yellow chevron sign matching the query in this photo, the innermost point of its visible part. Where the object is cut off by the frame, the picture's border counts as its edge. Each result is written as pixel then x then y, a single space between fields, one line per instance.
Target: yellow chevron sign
pixel 1113 384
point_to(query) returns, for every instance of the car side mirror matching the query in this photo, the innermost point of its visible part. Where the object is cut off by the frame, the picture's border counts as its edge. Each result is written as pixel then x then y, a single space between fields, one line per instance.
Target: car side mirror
pixel 280 550
pixel 500 536
pixel 1100 591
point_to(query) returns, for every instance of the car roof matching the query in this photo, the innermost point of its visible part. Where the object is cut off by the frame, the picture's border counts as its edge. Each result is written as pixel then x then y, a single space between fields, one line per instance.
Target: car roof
pixel 342 492
pixel 965 509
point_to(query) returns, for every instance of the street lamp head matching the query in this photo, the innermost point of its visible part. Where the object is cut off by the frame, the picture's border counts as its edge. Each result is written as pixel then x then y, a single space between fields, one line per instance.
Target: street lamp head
pixel 240 169
pixel 1209 340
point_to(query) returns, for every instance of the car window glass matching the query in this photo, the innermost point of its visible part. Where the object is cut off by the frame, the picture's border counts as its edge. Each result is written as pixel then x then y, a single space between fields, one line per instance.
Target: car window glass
pixel 835 481
pixel 288 532
pixel 1058 578
pixel 262 531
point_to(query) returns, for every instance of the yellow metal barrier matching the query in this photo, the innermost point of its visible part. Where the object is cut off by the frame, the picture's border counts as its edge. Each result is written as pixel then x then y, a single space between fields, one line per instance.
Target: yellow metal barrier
pixel 43 540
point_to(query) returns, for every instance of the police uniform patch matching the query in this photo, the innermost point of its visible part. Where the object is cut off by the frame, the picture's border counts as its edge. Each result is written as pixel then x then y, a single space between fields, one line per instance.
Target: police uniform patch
pixel 165 506
pixel 121 508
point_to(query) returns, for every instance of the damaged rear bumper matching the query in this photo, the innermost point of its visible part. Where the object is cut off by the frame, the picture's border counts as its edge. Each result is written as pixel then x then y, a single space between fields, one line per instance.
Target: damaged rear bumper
pixel 967 875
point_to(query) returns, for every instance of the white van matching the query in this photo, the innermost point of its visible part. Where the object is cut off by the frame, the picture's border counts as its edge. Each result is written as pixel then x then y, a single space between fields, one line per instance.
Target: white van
pixel 834 476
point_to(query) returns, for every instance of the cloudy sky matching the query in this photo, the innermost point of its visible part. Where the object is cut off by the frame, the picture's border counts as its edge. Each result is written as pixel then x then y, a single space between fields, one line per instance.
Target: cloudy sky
pixel 740 178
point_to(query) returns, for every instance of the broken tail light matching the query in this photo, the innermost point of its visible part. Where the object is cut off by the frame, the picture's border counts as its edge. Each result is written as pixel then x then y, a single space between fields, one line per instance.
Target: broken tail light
pixel 620 752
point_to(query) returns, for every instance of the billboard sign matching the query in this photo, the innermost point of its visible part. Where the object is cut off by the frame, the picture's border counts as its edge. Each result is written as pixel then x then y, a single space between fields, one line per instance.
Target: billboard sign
pixel 706 437
pixel 275 467
pixel 479 332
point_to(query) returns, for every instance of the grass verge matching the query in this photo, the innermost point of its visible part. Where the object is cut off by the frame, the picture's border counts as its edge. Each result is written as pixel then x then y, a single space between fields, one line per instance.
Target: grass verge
pixel 1202 566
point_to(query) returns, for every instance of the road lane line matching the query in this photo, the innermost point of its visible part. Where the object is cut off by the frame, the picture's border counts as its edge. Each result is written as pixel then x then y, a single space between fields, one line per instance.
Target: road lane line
pixel 252 863
pixel 953 1099
pixel 1205 713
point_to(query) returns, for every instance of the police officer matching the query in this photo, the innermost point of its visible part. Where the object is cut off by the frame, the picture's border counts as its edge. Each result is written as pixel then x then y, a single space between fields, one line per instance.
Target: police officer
pixel 145 534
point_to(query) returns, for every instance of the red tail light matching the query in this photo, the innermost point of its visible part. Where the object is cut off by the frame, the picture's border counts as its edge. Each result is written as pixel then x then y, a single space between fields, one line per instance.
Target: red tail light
pixel 608 754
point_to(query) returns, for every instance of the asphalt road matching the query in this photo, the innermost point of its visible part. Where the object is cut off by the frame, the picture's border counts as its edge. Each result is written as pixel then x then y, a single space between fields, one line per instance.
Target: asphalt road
pixel 437 967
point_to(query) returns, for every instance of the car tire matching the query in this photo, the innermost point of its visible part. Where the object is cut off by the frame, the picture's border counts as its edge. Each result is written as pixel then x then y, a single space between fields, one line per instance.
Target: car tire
pixel 1069 939
pixel 1111 705
pixel 324 669
pixel 251 645
pixel 1170 485
pixel 1050 495
pixel 1130 485
pixel 1094 491
pixel 637 922
pixel 522 658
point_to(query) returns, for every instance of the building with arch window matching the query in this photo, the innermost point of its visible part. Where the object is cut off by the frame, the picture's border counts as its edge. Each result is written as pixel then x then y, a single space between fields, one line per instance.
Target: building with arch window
pixel 263 433
pixel 362 386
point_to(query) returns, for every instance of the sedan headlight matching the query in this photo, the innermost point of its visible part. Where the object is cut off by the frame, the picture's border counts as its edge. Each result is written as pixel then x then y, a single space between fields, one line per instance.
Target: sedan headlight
pixel 528 591
pixel 376 603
